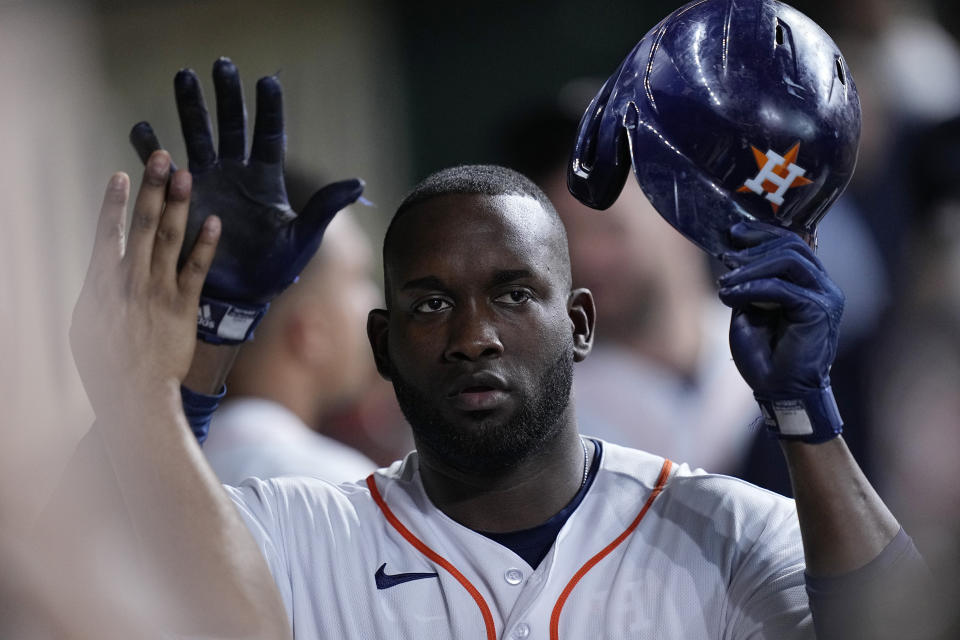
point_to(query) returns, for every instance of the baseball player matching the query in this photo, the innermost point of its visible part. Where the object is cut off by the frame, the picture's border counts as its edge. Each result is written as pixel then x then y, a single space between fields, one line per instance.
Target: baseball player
pixel 505 522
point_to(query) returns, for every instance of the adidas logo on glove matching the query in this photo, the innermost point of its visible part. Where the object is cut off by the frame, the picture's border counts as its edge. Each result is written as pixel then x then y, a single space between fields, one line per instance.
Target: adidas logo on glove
pixel 205 318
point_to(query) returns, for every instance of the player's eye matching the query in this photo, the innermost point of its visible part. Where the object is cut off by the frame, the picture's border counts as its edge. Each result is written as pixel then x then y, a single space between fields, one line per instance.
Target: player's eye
pixel 514 296
pixel 432 305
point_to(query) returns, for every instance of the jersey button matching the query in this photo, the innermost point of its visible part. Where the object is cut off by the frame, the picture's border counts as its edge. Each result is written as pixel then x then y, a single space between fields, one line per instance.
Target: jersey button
pixel 513 576
pixel 522 630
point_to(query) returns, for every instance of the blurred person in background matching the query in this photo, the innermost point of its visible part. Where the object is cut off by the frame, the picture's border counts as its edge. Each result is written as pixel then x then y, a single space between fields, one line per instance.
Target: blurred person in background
pixel 660 377
pixel 308 357
pixel 916 372
pixel 905 194
pixel 359 409
pixel 371 423
pixel 907 71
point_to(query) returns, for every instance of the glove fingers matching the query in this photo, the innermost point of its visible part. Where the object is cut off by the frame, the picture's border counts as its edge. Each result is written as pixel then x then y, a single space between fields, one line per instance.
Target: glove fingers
pixel 792 299
pixel 750 233
pixel 320 209
pixel 751 334
pixel 231 112
pixel 773 244
pixel 194 121
pixel 145 142
pixel 786 264
pixel 734 259
pixel 268 136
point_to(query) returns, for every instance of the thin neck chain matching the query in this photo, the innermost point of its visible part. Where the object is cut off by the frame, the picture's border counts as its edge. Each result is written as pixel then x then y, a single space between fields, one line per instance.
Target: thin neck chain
pixel 586 463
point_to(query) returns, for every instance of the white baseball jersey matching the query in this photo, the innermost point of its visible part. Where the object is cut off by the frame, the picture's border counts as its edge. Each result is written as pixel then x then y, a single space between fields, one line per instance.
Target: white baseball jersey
pixel 653 551
pixel 261 438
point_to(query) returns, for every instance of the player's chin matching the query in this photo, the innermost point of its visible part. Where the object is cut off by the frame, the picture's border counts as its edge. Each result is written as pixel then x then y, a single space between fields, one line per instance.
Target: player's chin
pixel 482 428
pixel 484 443
pixel 480 424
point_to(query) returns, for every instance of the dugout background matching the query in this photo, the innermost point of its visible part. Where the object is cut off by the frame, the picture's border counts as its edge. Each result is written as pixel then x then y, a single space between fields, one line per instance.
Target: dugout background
pixel 388 91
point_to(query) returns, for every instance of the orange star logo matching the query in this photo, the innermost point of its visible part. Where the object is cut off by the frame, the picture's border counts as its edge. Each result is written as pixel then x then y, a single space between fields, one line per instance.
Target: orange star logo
pixel 776 174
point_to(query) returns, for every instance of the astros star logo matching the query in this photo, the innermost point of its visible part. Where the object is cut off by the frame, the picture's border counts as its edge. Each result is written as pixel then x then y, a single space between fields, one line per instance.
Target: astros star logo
pixel 777 174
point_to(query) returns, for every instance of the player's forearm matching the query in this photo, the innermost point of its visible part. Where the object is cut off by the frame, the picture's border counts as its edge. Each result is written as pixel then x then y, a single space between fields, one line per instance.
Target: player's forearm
pixel 186 525
pixel 203 386
pixel 843 521
pixel 210 366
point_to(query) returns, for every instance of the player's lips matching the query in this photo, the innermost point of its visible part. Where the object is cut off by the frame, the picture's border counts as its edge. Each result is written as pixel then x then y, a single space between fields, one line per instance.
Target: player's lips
pixel 480 391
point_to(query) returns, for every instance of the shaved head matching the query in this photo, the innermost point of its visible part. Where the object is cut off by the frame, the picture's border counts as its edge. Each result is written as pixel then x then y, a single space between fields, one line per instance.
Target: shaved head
pixel 482 180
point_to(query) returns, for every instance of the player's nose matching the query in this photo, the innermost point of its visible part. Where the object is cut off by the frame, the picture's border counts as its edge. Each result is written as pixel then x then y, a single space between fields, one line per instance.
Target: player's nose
pixel 472 336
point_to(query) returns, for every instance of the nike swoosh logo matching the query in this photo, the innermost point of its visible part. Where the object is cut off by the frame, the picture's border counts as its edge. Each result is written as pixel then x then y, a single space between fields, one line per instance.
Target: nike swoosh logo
pixel 386 580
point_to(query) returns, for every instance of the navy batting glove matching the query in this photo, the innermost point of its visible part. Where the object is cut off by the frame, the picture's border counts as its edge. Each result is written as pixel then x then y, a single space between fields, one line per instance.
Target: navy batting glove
pixel 264 244
pixel 784 328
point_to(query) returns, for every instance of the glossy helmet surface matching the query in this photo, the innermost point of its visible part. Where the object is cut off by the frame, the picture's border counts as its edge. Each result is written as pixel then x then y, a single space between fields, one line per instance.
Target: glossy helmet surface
pixel 728 110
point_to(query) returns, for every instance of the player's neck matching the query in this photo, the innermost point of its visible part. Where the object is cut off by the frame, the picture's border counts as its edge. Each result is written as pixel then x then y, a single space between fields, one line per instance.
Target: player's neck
pixel 520 498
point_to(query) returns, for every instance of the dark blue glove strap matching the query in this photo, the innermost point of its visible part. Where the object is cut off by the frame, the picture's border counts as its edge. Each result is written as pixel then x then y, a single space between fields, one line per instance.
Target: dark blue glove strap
pixel 221 322
pixel 813 417
pixel 199 408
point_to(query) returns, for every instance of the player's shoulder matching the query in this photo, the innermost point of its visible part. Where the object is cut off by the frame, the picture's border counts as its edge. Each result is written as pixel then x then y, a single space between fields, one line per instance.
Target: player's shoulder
pixel 304 497
pixel 626 465
pixel 709 494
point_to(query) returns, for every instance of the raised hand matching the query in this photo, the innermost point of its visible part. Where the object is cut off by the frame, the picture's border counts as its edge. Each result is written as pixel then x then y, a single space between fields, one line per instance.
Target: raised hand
pixel 784 329
pixel 133 337
pixel 133 326
pixel 264 244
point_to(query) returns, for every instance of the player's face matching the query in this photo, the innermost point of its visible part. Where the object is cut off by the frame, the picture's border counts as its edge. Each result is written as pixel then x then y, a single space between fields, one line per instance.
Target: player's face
pixel 478 342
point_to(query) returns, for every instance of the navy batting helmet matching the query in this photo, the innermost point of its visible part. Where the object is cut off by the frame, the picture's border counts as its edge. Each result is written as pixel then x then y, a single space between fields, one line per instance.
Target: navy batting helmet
pixel 729 110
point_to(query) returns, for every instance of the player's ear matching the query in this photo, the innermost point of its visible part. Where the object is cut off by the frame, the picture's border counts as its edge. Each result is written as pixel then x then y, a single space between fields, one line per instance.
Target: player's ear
pixel 378 324
pixel 583 316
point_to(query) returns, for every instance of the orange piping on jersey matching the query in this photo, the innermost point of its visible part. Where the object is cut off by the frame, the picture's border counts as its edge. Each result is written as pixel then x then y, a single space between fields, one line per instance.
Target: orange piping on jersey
pixel 433 555
pixel 557 608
